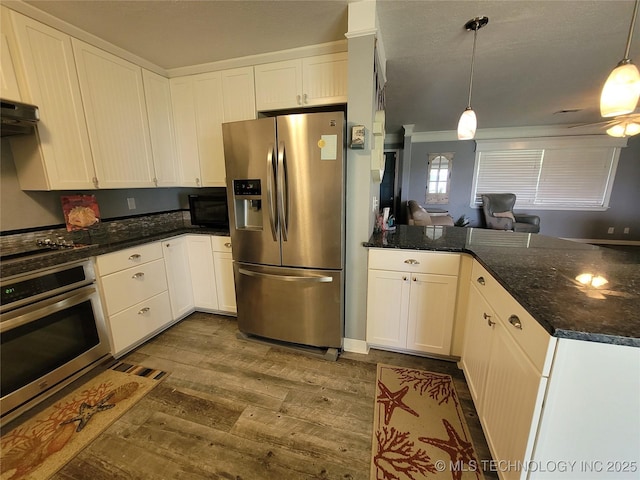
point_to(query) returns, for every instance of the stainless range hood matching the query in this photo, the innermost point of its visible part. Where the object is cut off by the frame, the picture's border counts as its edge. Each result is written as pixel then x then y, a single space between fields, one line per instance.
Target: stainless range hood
pixel 18 118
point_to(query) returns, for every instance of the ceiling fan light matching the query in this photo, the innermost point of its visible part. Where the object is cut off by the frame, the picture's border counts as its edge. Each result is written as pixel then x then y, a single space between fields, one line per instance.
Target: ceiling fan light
pixel 616 130
pixel 621 91
pixel 467 124
pixel 632 129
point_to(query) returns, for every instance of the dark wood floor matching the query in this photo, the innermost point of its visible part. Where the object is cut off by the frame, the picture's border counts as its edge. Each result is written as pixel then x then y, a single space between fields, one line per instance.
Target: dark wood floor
pixel 241 410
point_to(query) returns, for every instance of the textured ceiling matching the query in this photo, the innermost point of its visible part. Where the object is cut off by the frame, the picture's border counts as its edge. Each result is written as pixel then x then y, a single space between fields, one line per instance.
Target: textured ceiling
pixel 533 59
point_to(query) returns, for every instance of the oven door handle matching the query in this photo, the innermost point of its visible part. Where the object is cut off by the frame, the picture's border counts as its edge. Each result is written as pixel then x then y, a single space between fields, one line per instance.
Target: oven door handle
pixel 30 313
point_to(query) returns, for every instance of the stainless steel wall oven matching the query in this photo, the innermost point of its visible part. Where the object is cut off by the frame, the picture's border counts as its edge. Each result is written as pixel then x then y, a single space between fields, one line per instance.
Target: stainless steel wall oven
pixel 52 330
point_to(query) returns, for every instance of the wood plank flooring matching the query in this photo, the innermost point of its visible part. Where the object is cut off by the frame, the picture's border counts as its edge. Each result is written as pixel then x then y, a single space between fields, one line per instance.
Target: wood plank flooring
pixel 241 410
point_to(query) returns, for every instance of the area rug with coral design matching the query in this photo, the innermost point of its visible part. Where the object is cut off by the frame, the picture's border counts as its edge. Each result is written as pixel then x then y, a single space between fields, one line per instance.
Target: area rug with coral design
pixel 40 446
pixel 419 430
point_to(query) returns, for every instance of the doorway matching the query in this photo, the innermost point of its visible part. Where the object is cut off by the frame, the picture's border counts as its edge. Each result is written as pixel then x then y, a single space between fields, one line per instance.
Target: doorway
pixel 389 184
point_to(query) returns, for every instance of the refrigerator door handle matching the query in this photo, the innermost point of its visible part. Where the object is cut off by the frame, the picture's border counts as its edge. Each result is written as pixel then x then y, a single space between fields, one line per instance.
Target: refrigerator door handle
pixel 270 196
pixel 287 278
pixel 283 192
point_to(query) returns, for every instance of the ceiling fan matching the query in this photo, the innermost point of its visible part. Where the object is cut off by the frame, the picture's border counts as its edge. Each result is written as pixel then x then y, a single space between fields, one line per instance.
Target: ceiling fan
pixel 620 126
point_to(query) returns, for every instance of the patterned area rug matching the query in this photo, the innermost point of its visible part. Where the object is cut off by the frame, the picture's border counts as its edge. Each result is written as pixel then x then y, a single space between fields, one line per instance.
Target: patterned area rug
pixel 419 430
pixel 42 445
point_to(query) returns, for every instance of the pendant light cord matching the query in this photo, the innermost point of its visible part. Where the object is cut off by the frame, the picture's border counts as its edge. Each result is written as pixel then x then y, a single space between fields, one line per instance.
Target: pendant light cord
pixel 626 58
pixel 473 56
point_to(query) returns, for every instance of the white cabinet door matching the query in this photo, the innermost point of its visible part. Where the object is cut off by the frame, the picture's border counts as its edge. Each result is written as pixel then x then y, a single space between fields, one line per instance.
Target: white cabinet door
pixel 114 103
pixel 478 337
pixel 324 79
pixel 176 259
pixel 512 402
pixel 62 160
pixel 209 118
pixel 203 277
pixel 9 89
pixel 432 303
pixel 239 99
pixel 158 100
pixel 387 308
pixel 186 128
pixel 223 262
pixel 278 85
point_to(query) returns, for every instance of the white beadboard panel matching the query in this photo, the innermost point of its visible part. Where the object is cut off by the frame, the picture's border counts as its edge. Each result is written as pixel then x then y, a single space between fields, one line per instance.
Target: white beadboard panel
pixel 64 155
pixel 114 101
pixel 159 111
pixel 185 124
pixel 209 118
pixel 278 85
pixel 324 79
pixel 238 89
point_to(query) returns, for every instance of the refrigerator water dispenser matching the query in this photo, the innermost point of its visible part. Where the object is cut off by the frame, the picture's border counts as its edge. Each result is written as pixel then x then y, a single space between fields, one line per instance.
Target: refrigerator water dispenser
pixel 247 197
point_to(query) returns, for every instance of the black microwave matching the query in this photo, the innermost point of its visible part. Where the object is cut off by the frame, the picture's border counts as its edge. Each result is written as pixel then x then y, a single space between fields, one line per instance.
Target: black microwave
pixel 210 210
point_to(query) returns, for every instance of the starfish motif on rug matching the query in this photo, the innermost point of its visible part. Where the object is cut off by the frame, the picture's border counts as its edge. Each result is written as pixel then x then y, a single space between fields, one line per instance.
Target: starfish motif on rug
pixel 390 400
pixel 458 449
pixel 87 411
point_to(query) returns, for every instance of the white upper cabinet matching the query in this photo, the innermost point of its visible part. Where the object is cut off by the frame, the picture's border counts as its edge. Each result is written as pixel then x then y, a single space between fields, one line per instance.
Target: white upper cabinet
pixel 159 110
pixel 306 82
pixel 62 159
pixel 9 89
pixel 115 107
pixel 201 103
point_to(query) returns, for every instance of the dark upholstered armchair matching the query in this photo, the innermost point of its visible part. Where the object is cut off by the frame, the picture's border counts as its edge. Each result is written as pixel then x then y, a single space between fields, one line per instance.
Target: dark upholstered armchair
pixel 498 213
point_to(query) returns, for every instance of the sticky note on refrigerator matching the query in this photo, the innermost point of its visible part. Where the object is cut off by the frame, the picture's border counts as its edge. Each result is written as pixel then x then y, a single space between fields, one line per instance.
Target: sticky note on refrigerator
pixel 328 147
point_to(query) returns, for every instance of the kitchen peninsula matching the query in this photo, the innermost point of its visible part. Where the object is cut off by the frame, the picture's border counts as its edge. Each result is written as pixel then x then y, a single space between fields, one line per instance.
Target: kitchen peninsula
pixel 550 350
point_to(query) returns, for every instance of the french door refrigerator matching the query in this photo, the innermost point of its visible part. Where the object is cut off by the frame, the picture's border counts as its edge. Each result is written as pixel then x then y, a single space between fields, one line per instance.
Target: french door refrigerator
pixel 285 189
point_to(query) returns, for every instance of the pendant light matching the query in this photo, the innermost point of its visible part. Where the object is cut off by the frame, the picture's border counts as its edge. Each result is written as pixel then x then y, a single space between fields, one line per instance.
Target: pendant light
pixel 622 89
pixel 468 122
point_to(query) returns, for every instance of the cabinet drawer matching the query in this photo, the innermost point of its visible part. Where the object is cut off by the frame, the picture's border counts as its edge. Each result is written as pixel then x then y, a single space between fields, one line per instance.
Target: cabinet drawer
pixel 221 244
pixel 414 261
pixel 129 257
pixel 128 287
pixel 138 321
pixel 534 340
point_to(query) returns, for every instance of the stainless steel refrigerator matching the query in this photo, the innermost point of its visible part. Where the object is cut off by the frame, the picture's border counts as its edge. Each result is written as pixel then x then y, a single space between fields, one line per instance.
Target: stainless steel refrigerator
pixel 285 189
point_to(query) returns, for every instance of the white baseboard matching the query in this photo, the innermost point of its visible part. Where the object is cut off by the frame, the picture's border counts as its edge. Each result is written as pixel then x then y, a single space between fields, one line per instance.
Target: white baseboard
pixel 355 346
pixel 603 241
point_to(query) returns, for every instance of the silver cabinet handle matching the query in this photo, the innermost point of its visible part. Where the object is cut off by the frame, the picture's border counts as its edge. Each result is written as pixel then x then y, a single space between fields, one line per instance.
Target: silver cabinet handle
pixel 489 321
pixel 137 275
pixel 144 310
pixel 411 261
pixel 298 100
pixel 515 321
pixel 481 281
pixel 227 244
pixel 135 256
pixel 304 98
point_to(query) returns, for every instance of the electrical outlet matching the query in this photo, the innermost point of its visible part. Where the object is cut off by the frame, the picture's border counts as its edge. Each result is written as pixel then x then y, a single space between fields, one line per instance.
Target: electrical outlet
pixel 626 230
pixel 611 230
pixel 374 204
pixel 131 202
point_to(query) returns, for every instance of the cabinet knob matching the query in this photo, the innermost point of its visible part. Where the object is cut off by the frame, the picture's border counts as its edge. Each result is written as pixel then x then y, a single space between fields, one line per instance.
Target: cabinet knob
pixel 488 319
pixel 298 100
pixel 227 244
pixel 168 245
pixel 415 279
pixel 405 278
pixel 515 321
pixel 144 310
pixel 481 281
pixel 304 98
pixel 135 256
pixel 412 261
pixel 137 275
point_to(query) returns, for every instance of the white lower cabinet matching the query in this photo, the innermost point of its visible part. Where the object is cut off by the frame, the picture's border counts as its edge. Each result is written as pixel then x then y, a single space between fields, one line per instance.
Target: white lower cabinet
pixel 223 265
pixel 133 284
pixel 176 260
pixel 506 361
pixel 203 277
pixel 411 300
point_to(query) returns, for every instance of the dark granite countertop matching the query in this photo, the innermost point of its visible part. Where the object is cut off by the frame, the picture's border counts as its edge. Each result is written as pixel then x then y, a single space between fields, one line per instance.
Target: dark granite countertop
pixel 540 273
pixel 107 244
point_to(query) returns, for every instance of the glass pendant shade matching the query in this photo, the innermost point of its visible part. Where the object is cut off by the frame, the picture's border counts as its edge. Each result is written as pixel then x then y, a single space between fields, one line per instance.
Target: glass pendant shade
pixel 467 124
pixel 624 129
pixel 621 91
